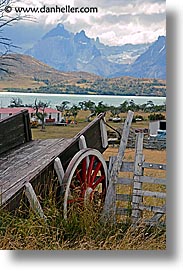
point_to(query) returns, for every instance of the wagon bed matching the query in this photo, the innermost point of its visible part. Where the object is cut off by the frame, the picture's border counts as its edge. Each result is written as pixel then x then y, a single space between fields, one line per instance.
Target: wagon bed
pixel 25 160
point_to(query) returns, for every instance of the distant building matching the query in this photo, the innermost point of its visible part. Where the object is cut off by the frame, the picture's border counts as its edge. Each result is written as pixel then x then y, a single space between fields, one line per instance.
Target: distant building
pixel 53 116
pixel 155 126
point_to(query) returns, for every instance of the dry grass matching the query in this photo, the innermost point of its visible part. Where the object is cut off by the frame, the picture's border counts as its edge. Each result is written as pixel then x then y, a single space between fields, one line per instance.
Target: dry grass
pixel 83 231
pixel 58 131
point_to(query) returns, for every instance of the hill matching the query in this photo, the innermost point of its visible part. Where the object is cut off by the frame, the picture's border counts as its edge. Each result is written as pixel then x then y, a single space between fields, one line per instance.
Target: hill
pixel 31 75
pixel 28 72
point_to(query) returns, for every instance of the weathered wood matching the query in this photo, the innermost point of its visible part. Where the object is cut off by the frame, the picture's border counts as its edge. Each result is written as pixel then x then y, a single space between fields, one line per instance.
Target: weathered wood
pixel 33 200
pixel 125 181
pixel 156 209
pixel 29 162
pixel 155 219
pixel 110 201
pixel 154 165
pixel 126 166
pixel 139 158
pixel 83 145
pixel 92 134
pixel 24 166
pixel 142 193
pixel 14 130
pixel 103 131
pixel 152 180
pixel 27 126
pixel 60 173
pixel 82 142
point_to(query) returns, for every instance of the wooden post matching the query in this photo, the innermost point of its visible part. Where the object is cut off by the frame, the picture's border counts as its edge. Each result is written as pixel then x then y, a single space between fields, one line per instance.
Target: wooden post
pixel 103 131
pixel 110 201
pixel 82 142
pixel 60 172
pixel 83 145
pixel 33 200
pixel 27 128
pixel 138 171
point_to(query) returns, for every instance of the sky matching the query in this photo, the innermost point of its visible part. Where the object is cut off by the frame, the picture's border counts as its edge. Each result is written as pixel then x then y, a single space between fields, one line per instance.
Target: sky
pixel 117 22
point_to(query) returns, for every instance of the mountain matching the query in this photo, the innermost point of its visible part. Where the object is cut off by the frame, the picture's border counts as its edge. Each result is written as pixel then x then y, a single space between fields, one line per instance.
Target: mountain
pixel 125 54
pixel 152 63
pixel 66 51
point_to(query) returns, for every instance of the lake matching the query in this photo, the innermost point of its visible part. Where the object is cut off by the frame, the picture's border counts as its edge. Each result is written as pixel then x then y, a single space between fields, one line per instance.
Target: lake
pixel 55 99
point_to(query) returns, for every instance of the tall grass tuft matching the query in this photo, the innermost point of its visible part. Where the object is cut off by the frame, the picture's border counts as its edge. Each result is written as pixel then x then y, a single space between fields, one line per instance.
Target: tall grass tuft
pixel 83 230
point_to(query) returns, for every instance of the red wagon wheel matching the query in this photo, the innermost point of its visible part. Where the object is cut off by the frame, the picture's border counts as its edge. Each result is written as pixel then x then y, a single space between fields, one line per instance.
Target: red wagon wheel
pixel 85 179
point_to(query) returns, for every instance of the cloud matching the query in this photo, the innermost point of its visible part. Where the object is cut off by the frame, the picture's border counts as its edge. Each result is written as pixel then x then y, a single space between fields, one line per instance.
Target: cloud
pixel 117 21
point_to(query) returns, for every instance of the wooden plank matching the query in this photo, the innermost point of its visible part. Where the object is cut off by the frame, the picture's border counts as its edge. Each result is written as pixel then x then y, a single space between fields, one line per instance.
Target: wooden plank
pixel 123 197
pixel 92 136
pixel 152 180
pixel 125 181
pixel 12 131
pixel 110 201
pixel 10 144
pixel 29 167
pixel 60 173
pixel 140 193
pixel 156 209
pixel 139 158
pixel 103 131
pixel 33 200
pixel 126 166
pixel 156 220
pixel 27 127
pixel 154 165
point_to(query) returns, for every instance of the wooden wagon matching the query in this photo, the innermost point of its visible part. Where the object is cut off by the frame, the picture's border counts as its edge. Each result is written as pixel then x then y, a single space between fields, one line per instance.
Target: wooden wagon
pixel 28 167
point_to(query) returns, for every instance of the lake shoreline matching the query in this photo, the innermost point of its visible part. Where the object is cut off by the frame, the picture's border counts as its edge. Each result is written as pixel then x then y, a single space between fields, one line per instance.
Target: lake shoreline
pixel 56 99
pixel 83 94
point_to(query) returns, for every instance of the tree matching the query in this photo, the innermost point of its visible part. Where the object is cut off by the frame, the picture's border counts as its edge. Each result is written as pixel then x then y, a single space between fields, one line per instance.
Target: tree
pixel 63 108
pixel 124 106
pixel 74 111
pixel 89 105
pixel 40 112
pixel 101 108
pixel 6 45
pixel 16 102
pixel 115 111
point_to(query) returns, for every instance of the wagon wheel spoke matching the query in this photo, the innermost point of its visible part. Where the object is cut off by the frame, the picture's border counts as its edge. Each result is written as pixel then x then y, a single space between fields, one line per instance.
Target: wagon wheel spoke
pixel 97 169
pixel 85 179
pixel 99 180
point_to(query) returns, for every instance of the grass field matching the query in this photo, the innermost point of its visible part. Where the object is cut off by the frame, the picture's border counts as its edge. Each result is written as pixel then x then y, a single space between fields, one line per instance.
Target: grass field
pixel 84 229
pixel 72 129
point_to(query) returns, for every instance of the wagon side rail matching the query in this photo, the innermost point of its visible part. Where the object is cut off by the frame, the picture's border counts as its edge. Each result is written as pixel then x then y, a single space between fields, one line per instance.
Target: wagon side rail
pixel 14 130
